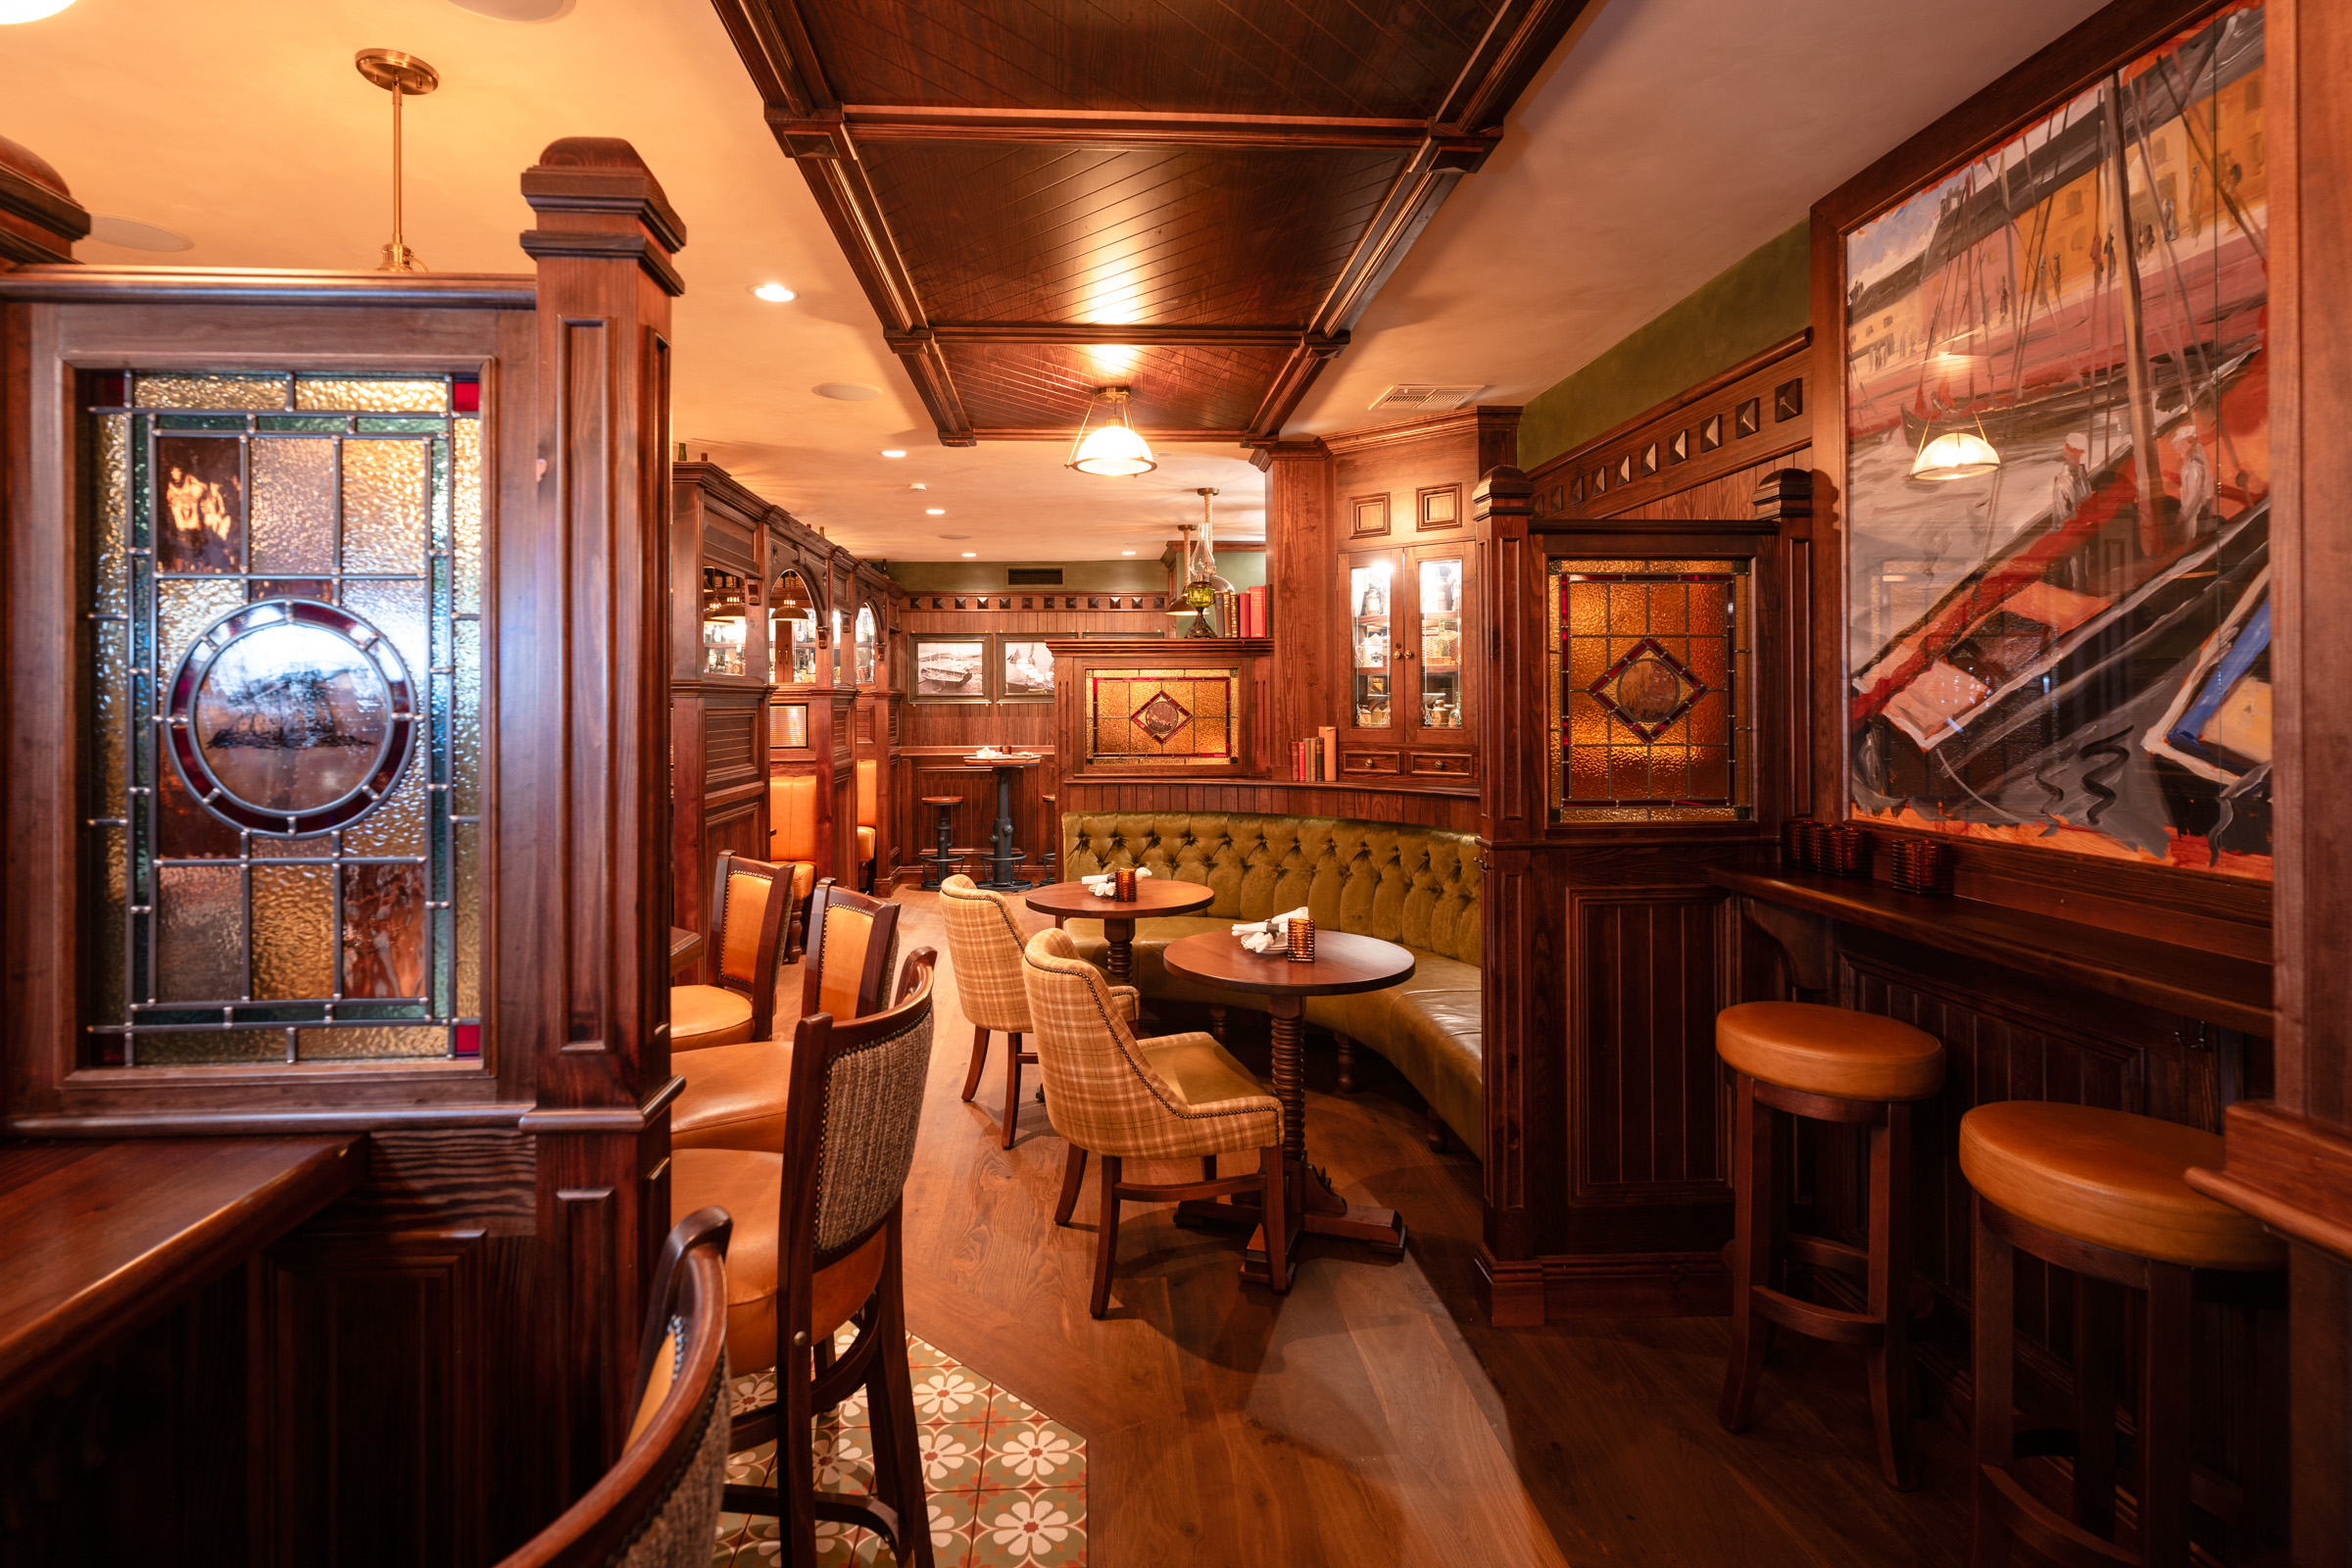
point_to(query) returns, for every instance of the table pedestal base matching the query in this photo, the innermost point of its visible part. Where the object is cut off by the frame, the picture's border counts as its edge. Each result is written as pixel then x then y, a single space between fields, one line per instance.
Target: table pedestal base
pixel 1324 1212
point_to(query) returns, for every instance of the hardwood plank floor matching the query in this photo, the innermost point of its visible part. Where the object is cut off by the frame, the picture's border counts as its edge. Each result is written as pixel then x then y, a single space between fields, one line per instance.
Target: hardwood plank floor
pixel 1369 1418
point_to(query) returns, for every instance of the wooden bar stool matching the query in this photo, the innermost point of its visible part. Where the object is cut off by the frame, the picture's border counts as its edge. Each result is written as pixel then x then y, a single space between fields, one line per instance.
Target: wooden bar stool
pixel 2102 1194
pixel 1828 1064
pixel 938 860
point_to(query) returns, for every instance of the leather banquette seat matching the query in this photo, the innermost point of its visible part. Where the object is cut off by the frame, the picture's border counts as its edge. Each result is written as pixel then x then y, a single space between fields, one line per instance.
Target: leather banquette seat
pixel 1418 887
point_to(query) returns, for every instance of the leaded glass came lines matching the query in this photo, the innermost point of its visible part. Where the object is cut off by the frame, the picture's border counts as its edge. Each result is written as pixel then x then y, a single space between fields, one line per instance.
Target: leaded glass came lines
pixel 286 728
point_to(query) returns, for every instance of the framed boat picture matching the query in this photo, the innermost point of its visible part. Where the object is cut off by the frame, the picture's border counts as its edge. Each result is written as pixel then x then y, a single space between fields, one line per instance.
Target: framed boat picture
pixel 950 669
pixel 1025 671
pixel 2056 467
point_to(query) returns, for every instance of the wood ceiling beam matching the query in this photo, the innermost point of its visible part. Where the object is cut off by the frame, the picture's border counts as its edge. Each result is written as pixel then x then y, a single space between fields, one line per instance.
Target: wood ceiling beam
pixel 1126 335
pixel 897 123
pixel 1066 433
pixel 1522 36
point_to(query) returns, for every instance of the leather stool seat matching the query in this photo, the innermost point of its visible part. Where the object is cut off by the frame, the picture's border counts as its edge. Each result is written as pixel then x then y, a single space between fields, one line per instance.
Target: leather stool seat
pixel 735 1097
pixel 2112 1179
pixel 1830 1050
pixel 702 1016
pixel 750 1187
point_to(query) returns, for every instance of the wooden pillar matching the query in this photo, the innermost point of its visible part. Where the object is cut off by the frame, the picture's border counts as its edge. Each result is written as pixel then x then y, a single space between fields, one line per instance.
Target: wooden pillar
pixel 1521 902
pixel 1298 569
pixel 584 794
pixel 2288 1160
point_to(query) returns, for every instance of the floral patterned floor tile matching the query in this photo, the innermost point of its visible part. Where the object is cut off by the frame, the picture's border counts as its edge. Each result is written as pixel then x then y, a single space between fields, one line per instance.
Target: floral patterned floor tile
pixel 1006 1483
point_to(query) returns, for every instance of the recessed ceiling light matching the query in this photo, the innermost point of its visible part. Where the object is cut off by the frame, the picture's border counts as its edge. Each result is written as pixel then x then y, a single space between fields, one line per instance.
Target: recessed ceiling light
pixel 520 10
pixel 935 511
pixel 30 10
pixel 954 536
pixel 1126 551
pixel 847 391
pixel 919 485
pixel 773 293
pixel 892 452
pixel 971 554
pixel 108 230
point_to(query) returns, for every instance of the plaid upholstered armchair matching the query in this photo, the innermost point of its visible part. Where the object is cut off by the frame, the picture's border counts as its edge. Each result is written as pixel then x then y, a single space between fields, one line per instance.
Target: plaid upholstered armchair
pixel 1176 1097
pixel 984 943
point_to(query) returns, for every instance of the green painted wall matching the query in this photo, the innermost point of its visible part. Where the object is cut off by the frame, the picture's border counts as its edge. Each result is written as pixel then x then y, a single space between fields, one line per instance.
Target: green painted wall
pixel 1759 300
pixel 1141 575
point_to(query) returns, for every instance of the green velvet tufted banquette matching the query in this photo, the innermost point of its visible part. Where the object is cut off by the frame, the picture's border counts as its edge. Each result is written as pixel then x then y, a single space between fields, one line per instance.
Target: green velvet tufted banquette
pixel 1414 886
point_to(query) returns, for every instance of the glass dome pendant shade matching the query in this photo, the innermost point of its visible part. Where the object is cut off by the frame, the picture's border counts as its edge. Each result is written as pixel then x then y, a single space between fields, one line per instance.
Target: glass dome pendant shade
pixel 1112 448
pixel 1955 454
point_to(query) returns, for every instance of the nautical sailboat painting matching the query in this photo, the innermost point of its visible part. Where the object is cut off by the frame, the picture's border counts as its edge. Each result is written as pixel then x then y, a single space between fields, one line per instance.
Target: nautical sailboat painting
pixel 2058 477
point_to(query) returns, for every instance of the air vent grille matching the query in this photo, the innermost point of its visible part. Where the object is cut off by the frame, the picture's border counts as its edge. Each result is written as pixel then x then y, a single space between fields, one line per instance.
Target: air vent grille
pixel 1032 577
pixel 1424 398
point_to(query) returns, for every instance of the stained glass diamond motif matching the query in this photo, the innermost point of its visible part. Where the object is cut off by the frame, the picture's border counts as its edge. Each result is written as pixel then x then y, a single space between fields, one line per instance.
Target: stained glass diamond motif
pixel 1160 718
pixel 1647 689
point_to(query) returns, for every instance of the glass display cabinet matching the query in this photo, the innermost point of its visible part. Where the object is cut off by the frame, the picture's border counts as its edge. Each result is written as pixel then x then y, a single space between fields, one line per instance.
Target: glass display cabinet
pixel 792 642
pixel 868 647
pixel 1408 617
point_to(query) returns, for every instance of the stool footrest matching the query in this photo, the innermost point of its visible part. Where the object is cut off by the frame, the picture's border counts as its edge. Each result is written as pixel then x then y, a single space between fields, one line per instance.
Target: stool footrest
pixel 1821 1252
pixel 1821 1322
pixel 2042 1530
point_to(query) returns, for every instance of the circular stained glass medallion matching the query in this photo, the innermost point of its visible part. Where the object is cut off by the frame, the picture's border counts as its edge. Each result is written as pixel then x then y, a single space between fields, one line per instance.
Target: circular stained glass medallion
pixel 290 717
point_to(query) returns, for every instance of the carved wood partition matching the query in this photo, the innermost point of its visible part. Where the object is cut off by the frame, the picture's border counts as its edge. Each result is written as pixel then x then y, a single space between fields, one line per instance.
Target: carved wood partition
pixel 438 1361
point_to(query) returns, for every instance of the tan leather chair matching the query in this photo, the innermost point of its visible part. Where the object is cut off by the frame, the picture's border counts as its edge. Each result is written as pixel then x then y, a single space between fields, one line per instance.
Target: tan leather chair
pixel 792 841
pixel 736 1095
pixel 817 1241
pixel 1177 1097
pixel 747 911
pixel 869 819
pixel 663 1494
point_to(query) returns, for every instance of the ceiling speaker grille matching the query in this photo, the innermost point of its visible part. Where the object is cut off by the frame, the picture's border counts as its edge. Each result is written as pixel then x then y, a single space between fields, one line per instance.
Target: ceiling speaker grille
pixel 1424 397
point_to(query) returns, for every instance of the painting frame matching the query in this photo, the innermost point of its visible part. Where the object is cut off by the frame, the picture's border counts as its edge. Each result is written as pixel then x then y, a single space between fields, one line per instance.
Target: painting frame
pixel 1000 668
pixel 942 648
pixel 2106 45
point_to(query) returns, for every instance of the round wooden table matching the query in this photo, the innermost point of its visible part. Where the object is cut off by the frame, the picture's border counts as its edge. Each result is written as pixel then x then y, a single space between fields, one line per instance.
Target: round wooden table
pixel 1153 896
pixel 1002 855
pixel 1342 963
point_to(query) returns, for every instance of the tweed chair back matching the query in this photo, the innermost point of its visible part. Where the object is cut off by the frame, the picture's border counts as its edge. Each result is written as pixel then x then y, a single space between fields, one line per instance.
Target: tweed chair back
pixel 984 943
pixel 1102 1091
pixel 857 1103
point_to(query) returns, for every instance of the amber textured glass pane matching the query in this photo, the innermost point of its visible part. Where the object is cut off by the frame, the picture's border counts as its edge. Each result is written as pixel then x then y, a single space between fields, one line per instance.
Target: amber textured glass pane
pixel 293 932
pixel 111 539
pixel 200 933
pixel 210 392
pixel 1589 772
pixel 1588 659
pixel 1629 609
pixel 293 505
pixel 1710 773
pixel 321 589
pixel 387 504
pixel 183 829
pixel 467 842
pixel 383 930
pixel 372 396
pixel 1709 719
pixel 114 871
pixel 372 1042
pixel 200 1047
pixel 467 514
pixel 1710 659
pixel 395 824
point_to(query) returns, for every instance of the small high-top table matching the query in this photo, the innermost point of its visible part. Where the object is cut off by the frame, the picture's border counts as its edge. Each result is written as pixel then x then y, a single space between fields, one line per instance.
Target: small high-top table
pixel 1344 963
pixel 1002 857
pixel 1153 896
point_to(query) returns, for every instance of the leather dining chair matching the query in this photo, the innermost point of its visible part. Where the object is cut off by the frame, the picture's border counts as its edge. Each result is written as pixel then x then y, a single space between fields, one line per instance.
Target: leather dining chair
pixel 792 841
pixel 818 1244
pixel 735 1096
pixel 658 1505
pixel 746 912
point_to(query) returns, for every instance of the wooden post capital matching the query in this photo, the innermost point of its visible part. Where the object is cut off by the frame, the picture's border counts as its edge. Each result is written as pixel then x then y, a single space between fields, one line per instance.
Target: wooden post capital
pixel 596 199
pixel 39 218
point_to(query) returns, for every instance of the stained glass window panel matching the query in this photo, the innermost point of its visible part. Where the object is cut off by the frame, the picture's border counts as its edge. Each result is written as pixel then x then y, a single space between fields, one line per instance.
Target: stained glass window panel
pixel 1650 690
pixel 286 721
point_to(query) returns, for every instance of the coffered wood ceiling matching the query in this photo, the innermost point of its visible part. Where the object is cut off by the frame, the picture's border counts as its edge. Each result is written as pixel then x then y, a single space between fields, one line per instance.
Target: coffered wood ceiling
pixel 1194 198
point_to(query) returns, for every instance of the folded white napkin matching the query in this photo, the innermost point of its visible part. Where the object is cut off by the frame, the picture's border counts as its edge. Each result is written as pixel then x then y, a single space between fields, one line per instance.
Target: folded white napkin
pixel 1105 885
pixel 1264 936
pixel 996 754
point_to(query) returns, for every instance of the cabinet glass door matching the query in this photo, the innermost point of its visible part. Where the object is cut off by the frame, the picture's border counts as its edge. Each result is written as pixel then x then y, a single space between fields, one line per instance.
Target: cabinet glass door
pixel 1441 706
pixel 1371 592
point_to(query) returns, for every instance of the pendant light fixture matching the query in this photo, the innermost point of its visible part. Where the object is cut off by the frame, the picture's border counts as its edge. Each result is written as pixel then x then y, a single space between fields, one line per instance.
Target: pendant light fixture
pixel 403 75
pixel 1955 454
pixel 1111 448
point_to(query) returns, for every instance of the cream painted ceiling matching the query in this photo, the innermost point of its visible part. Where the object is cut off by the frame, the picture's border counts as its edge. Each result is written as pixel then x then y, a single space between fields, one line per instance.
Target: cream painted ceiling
pixel 1668 139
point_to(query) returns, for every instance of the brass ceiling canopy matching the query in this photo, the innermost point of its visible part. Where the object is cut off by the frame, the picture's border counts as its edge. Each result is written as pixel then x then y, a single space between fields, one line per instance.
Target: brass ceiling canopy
pixel 403 75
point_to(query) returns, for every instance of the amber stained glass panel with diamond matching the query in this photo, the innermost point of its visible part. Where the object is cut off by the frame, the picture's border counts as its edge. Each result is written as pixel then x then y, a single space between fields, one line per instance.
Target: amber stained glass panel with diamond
pixel 1186 716
pixel 285 818
pixel 1649 673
